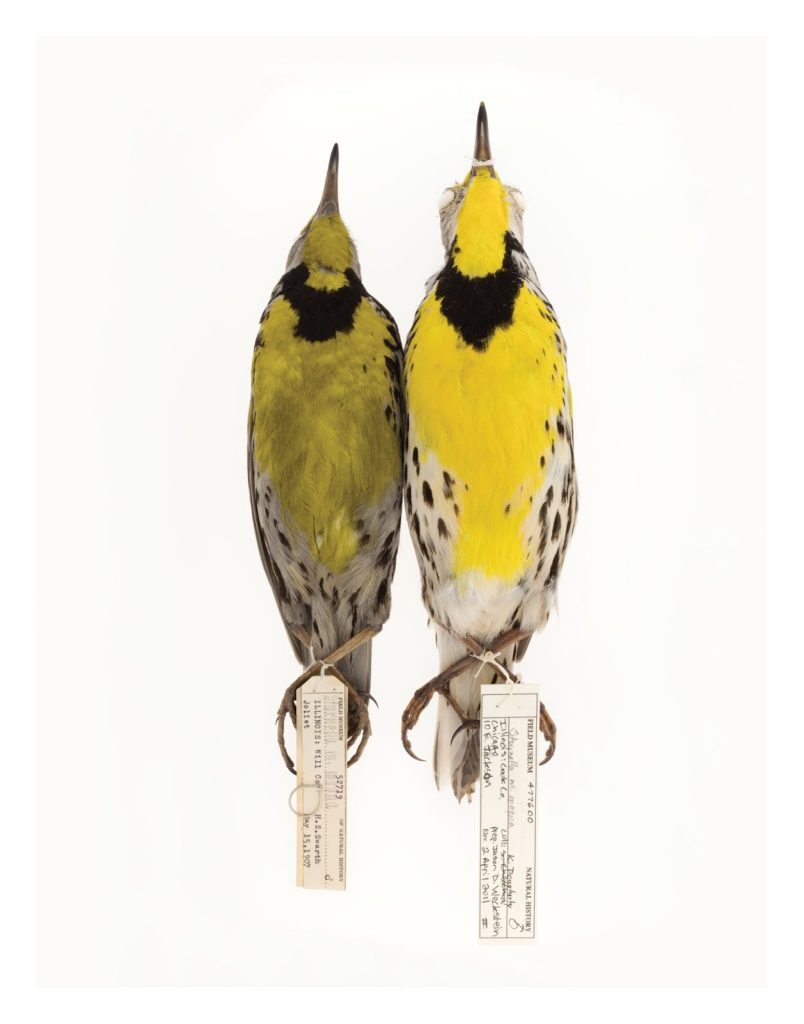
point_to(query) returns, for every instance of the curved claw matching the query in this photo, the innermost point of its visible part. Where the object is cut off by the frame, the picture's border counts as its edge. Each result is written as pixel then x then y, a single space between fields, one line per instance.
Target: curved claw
pixel 547 727
pixel 470 723
pixel 361 730
pixel 365 733
pixel 410 716
pixel 408 747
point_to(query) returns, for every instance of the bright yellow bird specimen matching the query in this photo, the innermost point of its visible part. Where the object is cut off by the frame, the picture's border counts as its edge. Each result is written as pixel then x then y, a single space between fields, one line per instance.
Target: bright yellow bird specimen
pixel 490 468
pixel 325 444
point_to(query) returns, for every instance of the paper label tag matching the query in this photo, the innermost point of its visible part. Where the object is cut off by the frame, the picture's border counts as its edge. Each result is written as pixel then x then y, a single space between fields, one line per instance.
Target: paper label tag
pixel 321 711
pixel 509 725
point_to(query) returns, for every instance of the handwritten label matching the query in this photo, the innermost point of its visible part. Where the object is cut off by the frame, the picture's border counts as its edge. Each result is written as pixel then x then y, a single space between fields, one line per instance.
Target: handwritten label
pixel 321 708
pixel 509 725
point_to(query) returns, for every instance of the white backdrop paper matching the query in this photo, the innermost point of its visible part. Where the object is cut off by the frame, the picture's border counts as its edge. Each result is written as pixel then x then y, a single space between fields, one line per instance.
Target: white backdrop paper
pixel 173 177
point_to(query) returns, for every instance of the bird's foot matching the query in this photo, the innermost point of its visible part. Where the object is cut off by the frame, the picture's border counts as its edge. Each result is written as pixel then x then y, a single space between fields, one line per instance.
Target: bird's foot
pixel 359 725
pixel 357 716
pixel 441 684
pixel 419 701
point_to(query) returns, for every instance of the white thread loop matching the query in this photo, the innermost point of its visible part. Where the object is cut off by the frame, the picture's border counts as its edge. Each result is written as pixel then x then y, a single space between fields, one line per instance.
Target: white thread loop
pixel 486 658
pixel 323 671
pixel 490 658
pixel 482 163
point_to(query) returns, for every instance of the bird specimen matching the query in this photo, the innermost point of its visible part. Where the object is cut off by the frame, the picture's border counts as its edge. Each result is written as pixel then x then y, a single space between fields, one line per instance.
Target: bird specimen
pixel 325 442
pixel 490 468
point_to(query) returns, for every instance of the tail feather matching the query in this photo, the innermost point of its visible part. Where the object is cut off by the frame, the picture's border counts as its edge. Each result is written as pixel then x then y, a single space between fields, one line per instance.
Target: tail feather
pixel 443 748
pixel 456 759
pixel 356 667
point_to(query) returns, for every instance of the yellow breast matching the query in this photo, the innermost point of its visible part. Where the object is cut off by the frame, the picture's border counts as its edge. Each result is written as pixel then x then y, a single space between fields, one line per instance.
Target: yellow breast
pixel 489 418
pixel 325 427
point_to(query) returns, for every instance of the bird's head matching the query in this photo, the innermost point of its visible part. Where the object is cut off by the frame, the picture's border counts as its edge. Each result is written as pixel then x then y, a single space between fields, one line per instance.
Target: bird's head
pixel 324 245
pixel 477 213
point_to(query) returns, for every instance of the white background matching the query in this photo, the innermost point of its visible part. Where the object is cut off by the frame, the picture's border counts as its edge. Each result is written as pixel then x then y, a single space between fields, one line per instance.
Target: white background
pixel 173 177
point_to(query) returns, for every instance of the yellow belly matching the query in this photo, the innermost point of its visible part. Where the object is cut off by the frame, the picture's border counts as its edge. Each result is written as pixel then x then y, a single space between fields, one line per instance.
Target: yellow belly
pixel 489 418
pixel 322 430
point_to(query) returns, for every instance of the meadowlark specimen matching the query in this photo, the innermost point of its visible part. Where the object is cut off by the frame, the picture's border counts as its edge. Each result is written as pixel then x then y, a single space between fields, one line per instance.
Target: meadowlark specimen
pixel 325 444
pixel 490 468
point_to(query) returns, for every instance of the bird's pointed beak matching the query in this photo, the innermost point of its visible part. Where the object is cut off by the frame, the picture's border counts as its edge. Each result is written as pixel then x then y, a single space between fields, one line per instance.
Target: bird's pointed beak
pixel 482 156
pixel 329 197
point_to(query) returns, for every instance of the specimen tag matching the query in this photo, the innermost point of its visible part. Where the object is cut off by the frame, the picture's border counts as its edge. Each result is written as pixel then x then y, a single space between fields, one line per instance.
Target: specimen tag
pixel 321 709
pixel 509 725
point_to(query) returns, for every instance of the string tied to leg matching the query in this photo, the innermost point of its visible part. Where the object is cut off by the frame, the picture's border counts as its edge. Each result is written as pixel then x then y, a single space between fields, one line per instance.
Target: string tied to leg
pixel 325 668
pixel 493 658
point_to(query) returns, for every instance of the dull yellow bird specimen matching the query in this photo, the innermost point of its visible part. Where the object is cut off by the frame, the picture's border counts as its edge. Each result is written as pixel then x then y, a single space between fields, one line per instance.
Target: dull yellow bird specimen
pixel 325 445
pixel 490 468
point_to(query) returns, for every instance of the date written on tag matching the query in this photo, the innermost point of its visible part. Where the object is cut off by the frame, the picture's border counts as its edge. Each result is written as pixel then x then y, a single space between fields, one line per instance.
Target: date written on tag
pixel 321 710
pixel 509 724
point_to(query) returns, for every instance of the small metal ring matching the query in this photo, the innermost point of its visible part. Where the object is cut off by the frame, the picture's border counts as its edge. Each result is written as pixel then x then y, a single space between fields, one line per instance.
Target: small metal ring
pixel 294 791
